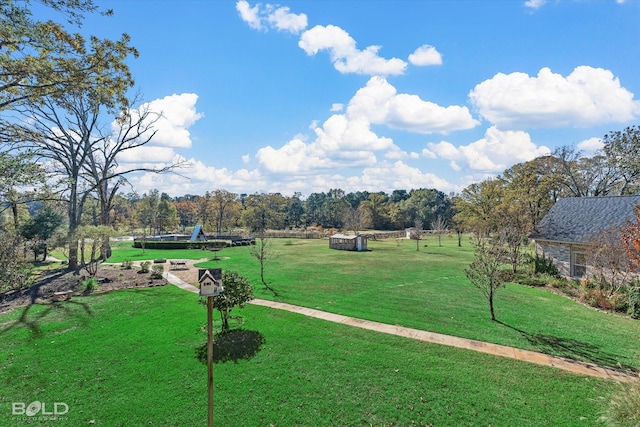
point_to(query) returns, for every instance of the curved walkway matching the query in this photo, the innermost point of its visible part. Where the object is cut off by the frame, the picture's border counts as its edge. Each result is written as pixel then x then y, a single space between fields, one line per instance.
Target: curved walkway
pixel 576 367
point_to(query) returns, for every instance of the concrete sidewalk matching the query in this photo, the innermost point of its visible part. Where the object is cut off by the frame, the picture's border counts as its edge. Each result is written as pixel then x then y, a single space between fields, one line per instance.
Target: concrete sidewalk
pixel 580 368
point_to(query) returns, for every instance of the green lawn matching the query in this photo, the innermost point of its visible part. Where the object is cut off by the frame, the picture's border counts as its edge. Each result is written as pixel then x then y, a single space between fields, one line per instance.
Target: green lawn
pixel 128 358
pixel 427 289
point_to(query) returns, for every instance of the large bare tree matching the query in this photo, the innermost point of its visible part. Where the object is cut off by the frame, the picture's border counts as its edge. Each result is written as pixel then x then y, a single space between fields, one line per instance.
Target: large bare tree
pixel 66 134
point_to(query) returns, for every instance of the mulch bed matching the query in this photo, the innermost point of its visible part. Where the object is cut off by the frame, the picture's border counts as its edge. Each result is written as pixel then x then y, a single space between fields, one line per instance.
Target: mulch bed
pixel 110 278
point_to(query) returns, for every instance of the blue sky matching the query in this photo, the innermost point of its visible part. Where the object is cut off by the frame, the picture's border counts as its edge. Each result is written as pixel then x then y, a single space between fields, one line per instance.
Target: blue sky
pixel 305 96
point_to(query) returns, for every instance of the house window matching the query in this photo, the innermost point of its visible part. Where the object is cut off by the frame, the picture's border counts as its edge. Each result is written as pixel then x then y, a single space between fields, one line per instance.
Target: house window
pixel 578 264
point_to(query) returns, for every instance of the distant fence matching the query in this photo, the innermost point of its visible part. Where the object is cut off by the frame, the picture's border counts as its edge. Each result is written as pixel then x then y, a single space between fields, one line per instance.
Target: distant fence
pixel 292 234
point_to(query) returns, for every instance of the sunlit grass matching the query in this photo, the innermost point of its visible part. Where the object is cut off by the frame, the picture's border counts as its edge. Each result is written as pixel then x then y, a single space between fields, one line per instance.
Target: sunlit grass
pixel 129 358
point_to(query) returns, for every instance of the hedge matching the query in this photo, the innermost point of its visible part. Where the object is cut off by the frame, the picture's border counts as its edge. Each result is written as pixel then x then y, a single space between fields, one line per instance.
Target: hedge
pixel 178 244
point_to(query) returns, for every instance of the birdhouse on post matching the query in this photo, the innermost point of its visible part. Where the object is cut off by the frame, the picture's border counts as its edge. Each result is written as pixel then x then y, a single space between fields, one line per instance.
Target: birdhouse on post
pixel 210 281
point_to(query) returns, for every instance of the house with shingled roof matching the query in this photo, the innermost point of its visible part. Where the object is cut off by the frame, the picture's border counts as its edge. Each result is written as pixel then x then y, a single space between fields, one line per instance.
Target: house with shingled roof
pixel 564 233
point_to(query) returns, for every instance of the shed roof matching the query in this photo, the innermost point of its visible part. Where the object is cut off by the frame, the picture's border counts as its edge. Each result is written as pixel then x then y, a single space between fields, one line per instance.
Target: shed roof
pixel 577 219
pixel 343 236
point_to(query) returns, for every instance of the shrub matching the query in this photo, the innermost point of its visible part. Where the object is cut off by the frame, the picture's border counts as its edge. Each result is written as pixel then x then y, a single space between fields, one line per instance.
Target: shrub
pixel 127 264
pixel 156 271
pixel 178 244
pixel 144 266
pixel 634 300
pixel 91 284
pixel 544 265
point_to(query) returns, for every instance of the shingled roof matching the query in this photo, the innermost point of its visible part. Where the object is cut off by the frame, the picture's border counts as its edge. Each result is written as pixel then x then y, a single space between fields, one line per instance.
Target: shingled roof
pixel 577 219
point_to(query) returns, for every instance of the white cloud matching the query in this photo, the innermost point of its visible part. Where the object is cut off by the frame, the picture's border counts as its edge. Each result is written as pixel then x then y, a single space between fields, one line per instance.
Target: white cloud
pixel 283 20
pixel 337 107
pixel 344 54
pixel 249 14
pixel 276 17
pixel 497 151
pixel 340 142
pixel 151 156
pixel 399 175
pixel 591 144
pixel 347 140
pixel 425 55
pixel 586 97
pixel 197 178
pixel 534 4
pixel 381 104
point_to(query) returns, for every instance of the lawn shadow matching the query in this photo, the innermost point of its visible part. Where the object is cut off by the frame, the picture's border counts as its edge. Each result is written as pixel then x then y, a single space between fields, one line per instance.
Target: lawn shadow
pixel 572 349
pixel 32 323
pixel 232 345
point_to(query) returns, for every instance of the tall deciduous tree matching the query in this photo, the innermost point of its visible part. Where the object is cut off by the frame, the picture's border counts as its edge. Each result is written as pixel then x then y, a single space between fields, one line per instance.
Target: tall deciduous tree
pixel 41 58
pixel 225 208
pixel 622 149
pixel 356 219
pixel 477 207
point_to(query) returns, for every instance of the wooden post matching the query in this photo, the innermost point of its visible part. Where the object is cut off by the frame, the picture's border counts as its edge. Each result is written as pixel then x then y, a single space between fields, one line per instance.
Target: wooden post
pixel 210 357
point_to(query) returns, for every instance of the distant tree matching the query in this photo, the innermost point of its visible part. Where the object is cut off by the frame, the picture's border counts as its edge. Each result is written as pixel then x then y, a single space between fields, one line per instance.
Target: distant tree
pixel 263 212
pixel 225 207
pixel 377 205
pixel 356 219
pixel 477 207
pixel 356 198
pixel 186 210
pixel 439 226
pixel 416 233
pixel 622 149
pixel 313 209
pixel 167 214
pixel 486 272
pixel 15 273
pixel 40 228
pixel 426 205
pixel 333 208
pixel 399 195
pixel 294 212
pixel 18 170
pixel 237 292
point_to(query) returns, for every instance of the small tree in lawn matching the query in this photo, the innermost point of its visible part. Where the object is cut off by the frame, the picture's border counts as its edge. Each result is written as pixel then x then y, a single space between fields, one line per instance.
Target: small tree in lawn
pixel 440 227
pixel 237 292
pixel 416 233
pixel 263 251
pixel 486 272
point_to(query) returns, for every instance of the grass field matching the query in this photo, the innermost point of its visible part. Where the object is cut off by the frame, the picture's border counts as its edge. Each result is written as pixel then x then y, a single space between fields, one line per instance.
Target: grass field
pixel 128 358
pixel 427 289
